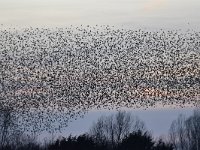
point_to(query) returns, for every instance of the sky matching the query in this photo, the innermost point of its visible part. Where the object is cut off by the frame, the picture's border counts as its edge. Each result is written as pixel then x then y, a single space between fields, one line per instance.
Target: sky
pixel 128 13
pixel 157 120
pixel 134 13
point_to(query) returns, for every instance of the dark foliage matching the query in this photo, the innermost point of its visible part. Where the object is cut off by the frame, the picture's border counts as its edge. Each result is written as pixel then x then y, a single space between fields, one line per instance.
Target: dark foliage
pixel 82 142
pixel 137 140
pixel 163 146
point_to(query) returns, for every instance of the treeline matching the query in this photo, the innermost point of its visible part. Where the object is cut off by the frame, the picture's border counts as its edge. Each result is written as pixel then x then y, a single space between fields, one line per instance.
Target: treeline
pixel 135 140
pixel 121 131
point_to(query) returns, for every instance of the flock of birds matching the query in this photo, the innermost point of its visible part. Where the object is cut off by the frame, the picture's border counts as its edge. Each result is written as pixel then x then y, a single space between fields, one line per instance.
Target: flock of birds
pixel 48 77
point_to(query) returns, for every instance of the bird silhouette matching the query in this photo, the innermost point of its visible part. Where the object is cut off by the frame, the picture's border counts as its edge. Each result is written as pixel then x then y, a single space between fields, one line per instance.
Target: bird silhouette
pixel 49 77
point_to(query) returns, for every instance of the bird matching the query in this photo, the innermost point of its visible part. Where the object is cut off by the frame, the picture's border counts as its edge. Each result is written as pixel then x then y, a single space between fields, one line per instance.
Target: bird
pixel 58 75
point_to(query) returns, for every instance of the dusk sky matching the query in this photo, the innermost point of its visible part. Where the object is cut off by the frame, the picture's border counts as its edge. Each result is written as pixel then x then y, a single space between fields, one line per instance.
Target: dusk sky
pixel 150 14
pixel 157 120
pixel 134 13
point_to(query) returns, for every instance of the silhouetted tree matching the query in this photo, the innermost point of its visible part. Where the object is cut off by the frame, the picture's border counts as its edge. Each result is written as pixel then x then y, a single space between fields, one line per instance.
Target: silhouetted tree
pixel 82 142
pixel 137 140
pixel 163 146
pixel 185 132
pixel 193 131
pixel 8 126
pixel 178 133
pixel 112 129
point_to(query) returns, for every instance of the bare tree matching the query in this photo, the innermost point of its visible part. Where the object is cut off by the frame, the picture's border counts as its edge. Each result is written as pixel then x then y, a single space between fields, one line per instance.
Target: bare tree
pixel 193 130
pixel 114 128
pixel 109 126
pixel 123 125
pixel 173 138
pixel 185 132
pixel 178 133
pixel 98 130
pixel 5 125
pixel 10 131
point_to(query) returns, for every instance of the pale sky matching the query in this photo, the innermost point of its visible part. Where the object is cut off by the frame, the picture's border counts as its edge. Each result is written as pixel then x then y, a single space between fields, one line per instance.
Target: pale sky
pixel 139 13
pixel 157 120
